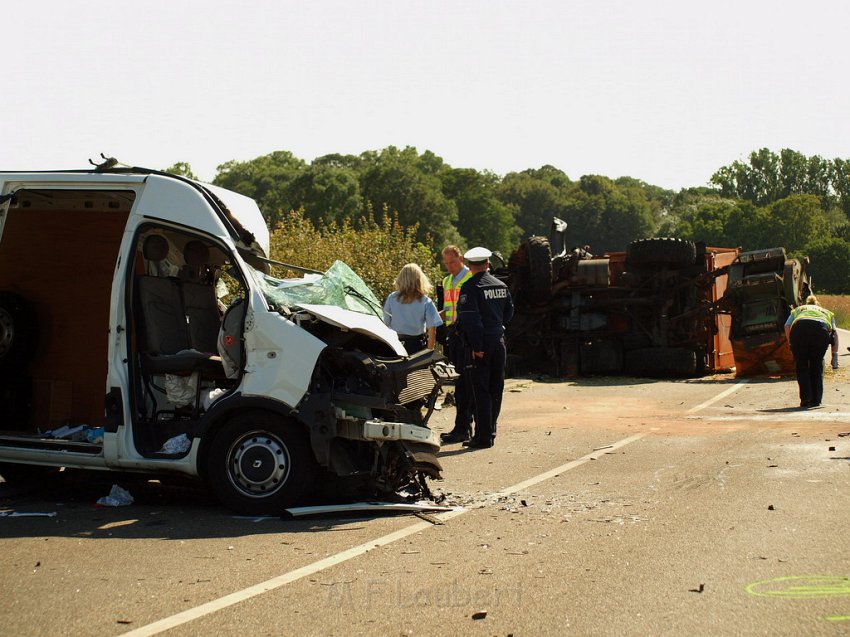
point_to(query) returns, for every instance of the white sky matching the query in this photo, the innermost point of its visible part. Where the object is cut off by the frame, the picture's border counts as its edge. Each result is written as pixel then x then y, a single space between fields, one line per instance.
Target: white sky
pixel 666 91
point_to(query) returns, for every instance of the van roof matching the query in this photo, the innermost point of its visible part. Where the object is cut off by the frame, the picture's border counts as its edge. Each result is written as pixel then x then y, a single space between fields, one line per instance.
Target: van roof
pixel 239 213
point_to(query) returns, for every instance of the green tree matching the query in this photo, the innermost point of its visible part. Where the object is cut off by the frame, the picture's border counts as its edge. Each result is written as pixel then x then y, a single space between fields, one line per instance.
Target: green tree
pixel 482 218
pixel 796 220
pixel 328 191
pixel 830 264
pixel 608 217
pixel 748 227
pixel 769 177
pixel 376 251
pixel 536 196
pixel 182 168
pixel 703 218
pixel 403 183
pixel 267 179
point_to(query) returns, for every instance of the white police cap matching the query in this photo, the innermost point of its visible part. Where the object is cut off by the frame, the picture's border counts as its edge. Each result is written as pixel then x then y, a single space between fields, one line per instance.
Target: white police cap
pixel 477 255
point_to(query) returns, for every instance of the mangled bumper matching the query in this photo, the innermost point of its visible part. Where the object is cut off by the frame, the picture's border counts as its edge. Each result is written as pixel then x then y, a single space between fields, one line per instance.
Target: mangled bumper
pixel 379 430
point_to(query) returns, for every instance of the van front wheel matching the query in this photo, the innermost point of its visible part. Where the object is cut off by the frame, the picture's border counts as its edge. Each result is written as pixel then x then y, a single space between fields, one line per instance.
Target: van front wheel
pixel 259 463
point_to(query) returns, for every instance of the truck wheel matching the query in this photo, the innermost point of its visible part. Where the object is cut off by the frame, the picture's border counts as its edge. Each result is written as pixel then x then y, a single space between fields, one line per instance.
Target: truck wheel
pixel 661 251
pixel 662 361
pixel 796 283
pixel 539 284
pixel 17 332
pixel 259 463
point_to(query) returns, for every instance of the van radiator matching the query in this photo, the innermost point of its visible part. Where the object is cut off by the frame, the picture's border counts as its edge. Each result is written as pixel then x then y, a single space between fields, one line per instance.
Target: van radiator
pixel 419 385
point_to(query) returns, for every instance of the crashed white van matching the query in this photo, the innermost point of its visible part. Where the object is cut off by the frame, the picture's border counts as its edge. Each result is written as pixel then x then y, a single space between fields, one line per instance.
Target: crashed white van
pixel 141 331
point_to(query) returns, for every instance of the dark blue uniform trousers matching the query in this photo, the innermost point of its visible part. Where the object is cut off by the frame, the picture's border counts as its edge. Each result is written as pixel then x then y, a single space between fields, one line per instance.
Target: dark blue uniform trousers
pixel 486 383
pixel 458 356
pixel 809 340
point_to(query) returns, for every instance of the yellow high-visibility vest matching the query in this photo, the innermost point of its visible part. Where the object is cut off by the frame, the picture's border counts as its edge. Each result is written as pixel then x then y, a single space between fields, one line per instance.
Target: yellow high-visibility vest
pixel 815 312
pixel 451 292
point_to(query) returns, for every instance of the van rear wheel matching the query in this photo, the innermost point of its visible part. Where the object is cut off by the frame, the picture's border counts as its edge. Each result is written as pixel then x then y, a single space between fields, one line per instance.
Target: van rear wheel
pixel 259 463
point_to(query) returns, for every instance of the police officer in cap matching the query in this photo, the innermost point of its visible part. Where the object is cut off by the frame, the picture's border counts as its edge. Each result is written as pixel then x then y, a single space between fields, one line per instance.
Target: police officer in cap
pixel 484 306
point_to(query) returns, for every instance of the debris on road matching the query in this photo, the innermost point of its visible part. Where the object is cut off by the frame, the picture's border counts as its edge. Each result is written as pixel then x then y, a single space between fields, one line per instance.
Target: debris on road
pixel 117 497
pixel 385 507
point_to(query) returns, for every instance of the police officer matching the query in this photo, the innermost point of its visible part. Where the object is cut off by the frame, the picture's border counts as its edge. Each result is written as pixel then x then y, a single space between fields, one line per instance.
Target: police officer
pixel 458 275
pixel 810 329
pixel 484 306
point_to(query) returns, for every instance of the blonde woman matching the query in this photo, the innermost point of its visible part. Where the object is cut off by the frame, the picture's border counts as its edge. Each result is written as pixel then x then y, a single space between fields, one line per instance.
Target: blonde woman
pixel 410 311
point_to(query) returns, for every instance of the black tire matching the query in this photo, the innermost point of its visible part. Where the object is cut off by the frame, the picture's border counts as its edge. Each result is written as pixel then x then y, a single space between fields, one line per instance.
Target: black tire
pixel 601 357
pixel 661 361
pixel 539 284
pixel 796 283
pixel 259 463
pixel 17 333
pixel 661 251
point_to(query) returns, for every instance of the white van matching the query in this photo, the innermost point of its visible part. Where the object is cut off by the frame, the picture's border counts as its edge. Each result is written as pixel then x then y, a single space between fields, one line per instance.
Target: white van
pixel 141 331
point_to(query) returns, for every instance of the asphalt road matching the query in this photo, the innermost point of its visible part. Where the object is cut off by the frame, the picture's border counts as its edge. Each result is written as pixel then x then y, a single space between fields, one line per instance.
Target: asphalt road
pixel 609 506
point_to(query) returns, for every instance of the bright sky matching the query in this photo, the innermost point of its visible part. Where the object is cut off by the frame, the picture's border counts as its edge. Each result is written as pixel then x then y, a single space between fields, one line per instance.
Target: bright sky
pixel 666 91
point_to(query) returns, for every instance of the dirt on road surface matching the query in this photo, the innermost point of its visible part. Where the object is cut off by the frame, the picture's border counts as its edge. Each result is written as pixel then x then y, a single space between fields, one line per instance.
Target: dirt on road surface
pixel 608 506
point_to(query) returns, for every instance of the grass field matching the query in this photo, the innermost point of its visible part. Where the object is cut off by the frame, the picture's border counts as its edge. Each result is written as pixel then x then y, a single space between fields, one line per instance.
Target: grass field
pixel 840 304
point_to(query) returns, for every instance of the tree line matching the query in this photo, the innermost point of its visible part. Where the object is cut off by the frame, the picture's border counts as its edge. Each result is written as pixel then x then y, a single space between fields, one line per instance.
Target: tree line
pixel 773 199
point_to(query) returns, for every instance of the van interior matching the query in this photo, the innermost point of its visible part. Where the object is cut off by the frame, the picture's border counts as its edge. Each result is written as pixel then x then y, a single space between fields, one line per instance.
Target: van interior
pixel 59 255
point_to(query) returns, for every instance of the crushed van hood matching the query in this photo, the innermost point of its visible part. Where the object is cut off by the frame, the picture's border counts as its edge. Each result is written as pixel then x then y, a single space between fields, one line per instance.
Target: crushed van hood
pixel 356 322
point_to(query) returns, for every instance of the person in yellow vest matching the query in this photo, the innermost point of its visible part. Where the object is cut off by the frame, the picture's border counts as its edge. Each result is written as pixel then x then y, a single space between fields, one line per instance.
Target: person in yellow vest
pixel 454 349
pixel 810 329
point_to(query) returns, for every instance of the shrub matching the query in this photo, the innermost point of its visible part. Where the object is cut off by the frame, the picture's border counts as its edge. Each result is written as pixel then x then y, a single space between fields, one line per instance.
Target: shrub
pixel 375 250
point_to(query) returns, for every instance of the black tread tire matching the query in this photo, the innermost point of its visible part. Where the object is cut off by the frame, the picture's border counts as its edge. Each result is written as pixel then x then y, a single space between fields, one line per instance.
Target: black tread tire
pixel 17 333
pixel 259 436
pixel 661 361
pixel 539 284
pixel 661 251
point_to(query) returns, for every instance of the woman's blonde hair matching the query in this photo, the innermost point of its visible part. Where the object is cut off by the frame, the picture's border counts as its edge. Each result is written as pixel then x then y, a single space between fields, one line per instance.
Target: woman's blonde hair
pixel 812 300
pixel 412 284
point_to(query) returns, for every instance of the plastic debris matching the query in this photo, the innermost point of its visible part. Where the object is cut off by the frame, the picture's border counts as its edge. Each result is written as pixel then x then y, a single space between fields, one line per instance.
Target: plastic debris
pixel 177 444
pixel 18 514
pixel 209 397
pixel 65 432
pixel 117 497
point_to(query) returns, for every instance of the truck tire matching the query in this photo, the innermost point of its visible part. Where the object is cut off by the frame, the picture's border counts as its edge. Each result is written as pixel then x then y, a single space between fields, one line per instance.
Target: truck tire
pixel 796 283
pixel 17 333
pixel 539 284
pixel 662 361
pixel 661 251
pixel 259 463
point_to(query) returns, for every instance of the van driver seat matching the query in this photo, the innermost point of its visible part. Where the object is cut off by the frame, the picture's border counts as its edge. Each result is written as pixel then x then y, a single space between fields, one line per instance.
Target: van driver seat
pixel 166 328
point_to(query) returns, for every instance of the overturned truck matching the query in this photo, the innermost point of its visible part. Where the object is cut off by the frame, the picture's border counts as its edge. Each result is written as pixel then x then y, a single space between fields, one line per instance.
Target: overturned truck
pixel 645 311
pixel 664 307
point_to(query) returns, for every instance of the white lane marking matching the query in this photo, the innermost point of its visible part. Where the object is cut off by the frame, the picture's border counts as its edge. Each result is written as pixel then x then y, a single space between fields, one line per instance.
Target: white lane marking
pixel 719 396
pixel 216 605
pixel 782 417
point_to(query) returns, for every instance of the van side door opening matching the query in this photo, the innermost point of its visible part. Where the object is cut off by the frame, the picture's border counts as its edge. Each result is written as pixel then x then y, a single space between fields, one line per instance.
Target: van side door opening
pixel 179 290
pixel 58 259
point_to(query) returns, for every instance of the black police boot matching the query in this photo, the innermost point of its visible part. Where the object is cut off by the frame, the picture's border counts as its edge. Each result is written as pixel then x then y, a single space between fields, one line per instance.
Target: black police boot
pixel 455 435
